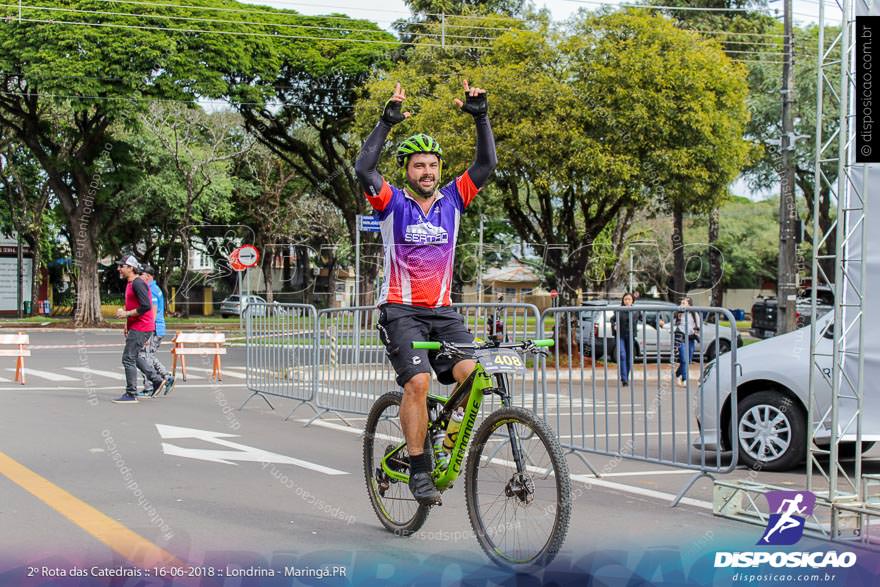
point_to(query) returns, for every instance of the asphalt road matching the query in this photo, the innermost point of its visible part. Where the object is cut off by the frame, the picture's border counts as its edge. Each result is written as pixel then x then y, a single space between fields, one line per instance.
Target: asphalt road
pixel 175 472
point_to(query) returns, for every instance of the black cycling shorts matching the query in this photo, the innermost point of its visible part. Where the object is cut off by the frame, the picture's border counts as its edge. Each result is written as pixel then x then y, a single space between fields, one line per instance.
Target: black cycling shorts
pixel 400 325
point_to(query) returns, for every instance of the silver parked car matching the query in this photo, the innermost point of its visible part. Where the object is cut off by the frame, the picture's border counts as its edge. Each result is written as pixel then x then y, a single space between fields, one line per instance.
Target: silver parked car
pixel 772 394
pixel 653 334
pixel 235 304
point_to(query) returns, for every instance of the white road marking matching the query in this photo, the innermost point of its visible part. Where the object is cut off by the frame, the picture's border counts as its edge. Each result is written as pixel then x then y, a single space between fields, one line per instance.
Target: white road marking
pixel 117 375
pixel 224 372
pixel 188 387
pixel 586 479
pixel 624 434
pixel 240 452
pixel 590 413
pixel 640 473
pixel 45 375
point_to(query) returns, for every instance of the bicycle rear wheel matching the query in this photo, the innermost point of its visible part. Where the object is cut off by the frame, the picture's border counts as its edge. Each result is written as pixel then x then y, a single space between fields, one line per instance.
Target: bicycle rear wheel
pixel 392 501
pixel 520 518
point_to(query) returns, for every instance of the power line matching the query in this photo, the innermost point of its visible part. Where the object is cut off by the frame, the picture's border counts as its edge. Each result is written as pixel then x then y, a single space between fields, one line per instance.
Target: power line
pixel 237 33
pixel 653 7
pixel 447 24
pixel 224 21
pixel 281 12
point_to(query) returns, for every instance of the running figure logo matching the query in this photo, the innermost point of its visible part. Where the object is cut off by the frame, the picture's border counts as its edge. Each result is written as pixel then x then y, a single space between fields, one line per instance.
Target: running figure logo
pixel 786 526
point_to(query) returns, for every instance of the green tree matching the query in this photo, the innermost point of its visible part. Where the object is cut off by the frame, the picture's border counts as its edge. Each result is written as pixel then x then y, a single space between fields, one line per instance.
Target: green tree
pixel 745 35
pixel 612 113
pixel 274 200
pixel 71 82
pixel 767 129
pixel 747 245
pixel 25 194
pixel 423 8
pixel 298 97
pixel 199 147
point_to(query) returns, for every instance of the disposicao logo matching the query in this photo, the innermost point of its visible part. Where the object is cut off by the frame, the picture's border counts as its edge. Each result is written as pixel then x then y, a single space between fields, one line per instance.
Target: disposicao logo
pixel 784 528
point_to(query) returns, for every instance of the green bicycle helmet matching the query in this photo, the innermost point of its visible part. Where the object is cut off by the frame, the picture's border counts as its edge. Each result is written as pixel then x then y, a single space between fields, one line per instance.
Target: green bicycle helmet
pixel 420 143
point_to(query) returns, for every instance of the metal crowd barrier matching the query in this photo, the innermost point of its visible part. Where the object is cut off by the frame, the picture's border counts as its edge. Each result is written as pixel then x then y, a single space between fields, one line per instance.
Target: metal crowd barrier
pixel 509 322
pixel 281 347
pixel 334 361
pixel 654 417
pixel 353 369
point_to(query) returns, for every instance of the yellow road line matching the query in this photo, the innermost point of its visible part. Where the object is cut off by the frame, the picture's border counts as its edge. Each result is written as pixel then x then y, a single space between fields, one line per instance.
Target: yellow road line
pixel 130 545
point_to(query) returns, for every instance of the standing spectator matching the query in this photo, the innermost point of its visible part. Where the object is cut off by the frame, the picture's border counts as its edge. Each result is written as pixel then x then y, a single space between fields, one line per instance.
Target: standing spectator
pixel 148 274
pixel 139 327
pixel 622 327
pixel 688 326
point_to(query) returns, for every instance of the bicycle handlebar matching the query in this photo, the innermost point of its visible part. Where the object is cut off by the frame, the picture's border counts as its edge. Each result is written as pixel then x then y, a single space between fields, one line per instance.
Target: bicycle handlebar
pixel 427 345
pixel 430 345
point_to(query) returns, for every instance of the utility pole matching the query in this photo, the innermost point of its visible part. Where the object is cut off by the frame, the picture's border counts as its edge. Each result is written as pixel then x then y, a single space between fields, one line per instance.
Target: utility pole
pixel 786 288
pixel 480 264
pixel 631 271
pixel 19 289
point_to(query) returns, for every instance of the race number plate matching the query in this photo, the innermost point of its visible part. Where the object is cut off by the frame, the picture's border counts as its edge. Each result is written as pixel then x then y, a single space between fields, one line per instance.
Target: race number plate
pixel 500 361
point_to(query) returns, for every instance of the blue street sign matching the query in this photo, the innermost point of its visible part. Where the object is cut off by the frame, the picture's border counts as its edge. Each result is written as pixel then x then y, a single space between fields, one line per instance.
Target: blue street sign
pixel 368 223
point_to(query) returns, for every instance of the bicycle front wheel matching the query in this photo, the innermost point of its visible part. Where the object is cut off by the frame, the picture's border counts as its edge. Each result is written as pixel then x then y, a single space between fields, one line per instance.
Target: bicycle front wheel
pixel 392 500
pixel 520 513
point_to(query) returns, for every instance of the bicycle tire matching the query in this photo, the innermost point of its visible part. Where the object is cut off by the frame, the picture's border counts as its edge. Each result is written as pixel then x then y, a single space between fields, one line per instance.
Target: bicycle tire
pixel 400 527
pixel 562 500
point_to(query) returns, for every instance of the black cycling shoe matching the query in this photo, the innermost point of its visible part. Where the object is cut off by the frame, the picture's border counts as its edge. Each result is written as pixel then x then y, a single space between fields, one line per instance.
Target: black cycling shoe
pixel 422 487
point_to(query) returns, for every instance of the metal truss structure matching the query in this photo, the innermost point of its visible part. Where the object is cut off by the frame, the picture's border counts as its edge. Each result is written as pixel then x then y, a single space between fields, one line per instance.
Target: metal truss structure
pixel 848 502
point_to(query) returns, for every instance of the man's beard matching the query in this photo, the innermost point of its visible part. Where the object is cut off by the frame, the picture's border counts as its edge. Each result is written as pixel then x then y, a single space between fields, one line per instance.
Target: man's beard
pixel 420 191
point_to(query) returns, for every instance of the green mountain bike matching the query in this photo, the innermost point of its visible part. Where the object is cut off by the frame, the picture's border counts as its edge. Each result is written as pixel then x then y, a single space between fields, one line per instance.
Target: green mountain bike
pixel 517 487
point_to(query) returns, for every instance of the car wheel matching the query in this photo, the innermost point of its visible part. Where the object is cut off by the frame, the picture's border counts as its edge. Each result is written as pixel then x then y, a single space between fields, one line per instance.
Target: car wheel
pixel 224 315
pixel 772 432
pixel 723 347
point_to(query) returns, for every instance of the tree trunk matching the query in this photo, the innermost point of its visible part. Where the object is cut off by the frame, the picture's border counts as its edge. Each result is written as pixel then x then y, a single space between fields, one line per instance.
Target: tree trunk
pixel 36 276
pixel 183 290
pixel 303 274
pixel 715 270
pixel 266 267
pixel 678 281
pixel 88 292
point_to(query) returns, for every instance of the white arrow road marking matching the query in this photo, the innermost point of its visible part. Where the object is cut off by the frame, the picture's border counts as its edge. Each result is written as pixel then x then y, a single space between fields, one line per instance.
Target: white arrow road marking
pixel 240 452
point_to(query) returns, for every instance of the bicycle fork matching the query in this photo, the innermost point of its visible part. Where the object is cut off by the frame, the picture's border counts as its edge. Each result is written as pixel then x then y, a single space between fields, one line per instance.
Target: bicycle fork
pixel 520 483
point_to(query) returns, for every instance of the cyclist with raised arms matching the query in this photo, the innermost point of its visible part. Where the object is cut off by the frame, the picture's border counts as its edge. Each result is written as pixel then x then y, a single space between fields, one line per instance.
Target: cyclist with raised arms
pixel 419 227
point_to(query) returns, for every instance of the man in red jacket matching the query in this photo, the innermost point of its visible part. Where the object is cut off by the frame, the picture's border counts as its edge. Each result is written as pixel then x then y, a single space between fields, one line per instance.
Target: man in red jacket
pixel 139 326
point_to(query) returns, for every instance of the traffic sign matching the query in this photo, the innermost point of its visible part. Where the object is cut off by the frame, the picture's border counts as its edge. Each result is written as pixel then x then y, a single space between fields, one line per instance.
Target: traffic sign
pixel 243 257
pixel 368 223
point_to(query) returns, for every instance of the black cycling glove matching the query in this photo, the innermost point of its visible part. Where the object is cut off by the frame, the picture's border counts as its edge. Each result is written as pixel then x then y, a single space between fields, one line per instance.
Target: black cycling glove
pixel 392 113
pixel 476 105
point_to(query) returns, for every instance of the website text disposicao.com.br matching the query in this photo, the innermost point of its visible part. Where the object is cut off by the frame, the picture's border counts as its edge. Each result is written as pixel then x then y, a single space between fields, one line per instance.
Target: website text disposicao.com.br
pixel 776 578
pixel 812 566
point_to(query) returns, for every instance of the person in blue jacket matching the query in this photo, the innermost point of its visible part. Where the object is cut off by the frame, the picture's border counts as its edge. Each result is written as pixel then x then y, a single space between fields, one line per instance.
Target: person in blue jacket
pixel 149 351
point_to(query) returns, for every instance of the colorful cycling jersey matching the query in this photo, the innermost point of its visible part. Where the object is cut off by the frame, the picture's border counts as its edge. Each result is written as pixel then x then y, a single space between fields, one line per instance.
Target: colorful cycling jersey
pixel 419 247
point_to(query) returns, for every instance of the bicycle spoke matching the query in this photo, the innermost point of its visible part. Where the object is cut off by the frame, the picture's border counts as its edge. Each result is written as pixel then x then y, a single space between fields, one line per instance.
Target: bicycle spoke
pixel 517 510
